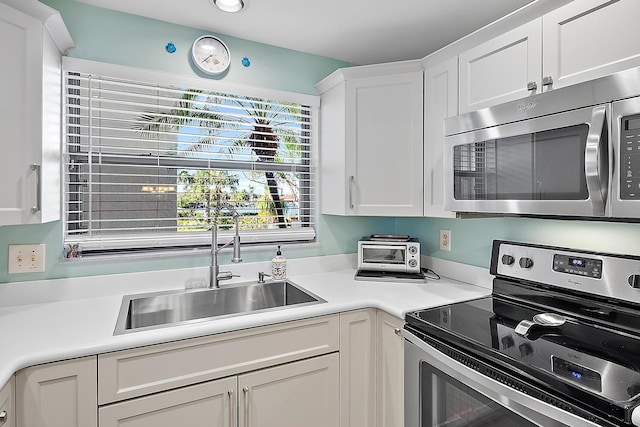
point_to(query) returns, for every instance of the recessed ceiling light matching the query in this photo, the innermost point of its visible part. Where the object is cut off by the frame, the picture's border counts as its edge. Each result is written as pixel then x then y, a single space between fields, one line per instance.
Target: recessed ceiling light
pixel 229 5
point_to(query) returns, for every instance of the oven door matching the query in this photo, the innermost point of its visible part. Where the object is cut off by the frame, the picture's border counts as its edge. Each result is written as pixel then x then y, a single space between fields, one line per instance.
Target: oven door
pixel 439 391
pixel 551 165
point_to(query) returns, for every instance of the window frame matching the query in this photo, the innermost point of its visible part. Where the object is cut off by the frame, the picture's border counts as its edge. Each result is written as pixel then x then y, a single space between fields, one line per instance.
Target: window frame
pixel 139 242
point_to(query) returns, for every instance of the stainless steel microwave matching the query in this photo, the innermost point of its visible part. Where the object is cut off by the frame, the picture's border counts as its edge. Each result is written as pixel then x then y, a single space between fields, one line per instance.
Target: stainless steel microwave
pixel 573 151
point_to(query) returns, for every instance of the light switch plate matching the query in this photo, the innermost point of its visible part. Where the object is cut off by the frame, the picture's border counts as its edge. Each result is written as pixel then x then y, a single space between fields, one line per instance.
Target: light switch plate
pixel 26 258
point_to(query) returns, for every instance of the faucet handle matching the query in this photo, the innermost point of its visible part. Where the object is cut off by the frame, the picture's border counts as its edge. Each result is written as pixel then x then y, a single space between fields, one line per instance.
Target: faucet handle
pixel 226 275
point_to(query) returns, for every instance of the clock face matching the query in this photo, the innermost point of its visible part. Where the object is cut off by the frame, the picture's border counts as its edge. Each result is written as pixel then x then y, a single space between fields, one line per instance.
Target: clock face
pixel 210 55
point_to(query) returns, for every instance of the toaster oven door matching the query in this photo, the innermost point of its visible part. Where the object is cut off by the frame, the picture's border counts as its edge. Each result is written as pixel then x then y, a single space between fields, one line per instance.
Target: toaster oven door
pixel 381 257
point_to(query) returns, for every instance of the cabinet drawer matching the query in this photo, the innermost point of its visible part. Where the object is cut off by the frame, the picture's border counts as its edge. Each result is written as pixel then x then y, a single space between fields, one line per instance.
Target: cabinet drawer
pixel 208 404
pixel 136 372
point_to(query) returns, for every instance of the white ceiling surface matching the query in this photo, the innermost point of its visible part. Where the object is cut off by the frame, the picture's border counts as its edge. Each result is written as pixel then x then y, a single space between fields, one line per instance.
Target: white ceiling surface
pixel 356 31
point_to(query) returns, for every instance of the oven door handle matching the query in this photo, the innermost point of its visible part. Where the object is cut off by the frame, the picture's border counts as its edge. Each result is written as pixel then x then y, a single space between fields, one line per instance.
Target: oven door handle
pixel 596 161
pixel 517 402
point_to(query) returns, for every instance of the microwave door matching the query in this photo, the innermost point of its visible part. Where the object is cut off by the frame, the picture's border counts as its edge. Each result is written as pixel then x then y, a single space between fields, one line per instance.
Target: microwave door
pixel 625 181
pixel 551 165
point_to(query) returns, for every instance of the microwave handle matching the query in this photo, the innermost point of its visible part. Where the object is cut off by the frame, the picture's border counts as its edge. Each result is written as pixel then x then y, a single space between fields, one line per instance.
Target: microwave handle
pixel 597 178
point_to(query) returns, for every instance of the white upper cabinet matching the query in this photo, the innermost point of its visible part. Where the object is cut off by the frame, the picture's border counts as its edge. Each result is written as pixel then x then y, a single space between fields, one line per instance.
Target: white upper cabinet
pixel 588 39
pixel 502 69
pixel 371 141
pixel 35 38
pixel 440 102
pixel 580 41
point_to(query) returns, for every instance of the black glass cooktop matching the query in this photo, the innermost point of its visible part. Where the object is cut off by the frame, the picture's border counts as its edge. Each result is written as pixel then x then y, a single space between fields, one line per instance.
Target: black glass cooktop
pixel 584 359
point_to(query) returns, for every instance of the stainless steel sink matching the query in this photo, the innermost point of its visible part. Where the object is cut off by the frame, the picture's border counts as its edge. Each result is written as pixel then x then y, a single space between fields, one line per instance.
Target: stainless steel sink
pixel 161 309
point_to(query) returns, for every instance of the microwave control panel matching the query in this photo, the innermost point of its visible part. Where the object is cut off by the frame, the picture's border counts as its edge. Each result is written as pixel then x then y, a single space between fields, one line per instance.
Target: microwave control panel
pixel 630 157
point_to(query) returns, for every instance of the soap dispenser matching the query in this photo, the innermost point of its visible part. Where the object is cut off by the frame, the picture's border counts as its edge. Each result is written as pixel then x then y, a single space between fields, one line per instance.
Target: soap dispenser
pixel 279 266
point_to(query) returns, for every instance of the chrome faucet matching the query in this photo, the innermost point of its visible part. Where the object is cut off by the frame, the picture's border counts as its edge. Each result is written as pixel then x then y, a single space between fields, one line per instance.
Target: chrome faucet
pixel 215 275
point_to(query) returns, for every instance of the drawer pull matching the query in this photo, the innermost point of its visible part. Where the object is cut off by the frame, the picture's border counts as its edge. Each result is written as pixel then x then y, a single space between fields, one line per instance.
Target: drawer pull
pixel 245 390
pixel 3 417
pixel 231 411
pixel 398 331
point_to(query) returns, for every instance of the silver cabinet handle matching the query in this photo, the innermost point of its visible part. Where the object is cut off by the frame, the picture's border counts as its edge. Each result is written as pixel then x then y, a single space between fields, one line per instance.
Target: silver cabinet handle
pixel 231 411
pixel 596 164
pixel 547 81
pixel 245 390
pixel 3 417
pixel 352 180
pixel 38 169
pixel 532 86
pixel 397 331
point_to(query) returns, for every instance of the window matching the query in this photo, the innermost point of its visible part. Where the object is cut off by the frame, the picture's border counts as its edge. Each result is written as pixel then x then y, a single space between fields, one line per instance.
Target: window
pixel 148 160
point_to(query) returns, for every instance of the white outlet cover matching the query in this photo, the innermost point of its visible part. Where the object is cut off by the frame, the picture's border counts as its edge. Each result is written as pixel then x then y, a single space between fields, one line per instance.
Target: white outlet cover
pixel 445 240
pixel 26 258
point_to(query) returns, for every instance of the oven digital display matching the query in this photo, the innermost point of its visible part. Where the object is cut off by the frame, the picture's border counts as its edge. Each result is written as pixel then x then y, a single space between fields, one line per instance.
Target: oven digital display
pixel 579 374
pixel 577 262
pixel 587 267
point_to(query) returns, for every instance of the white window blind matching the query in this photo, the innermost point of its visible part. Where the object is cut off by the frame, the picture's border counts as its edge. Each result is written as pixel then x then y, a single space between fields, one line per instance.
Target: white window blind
pixel 146 164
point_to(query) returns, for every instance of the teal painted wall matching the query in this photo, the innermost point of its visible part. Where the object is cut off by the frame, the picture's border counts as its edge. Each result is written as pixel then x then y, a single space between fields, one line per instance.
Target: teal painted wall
pixel 113 37
pixel 471 238
pixel 119 38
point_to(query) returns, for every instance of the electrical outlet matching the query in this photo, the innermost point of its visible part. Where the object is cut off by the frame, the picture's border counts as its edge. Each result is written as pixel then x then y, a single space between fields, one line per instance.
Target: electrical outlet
pixel 26 259
pixel 445 240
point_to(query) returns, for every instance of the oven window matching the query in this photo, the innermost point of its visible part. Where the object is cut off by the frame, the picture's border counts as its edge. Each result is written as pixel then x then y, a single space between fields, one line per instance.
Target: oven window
pixel 383 255
pixel 547 165
pixel 446 402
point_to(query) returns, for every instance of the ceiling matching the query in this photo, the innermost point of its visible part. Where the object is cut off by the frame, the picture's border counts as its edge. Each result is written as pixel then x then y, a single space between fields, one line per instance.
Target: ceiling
pixel 356 31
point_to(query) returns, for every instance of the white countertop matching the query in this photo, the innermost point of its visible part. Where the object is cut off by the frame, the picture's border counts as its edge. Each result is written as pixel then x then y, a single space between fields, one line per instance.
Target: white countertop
pixel 52 320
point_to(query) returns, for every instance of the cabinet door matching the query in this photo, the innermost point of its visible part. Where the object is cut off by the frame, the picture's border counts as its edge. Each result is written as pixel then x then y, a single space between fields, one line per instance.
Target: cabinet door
pixel 501 69
pixel 357 368
pixel 390 371
pixel 211 404
pixel 20 65
pixel 384 145
pixel 588 39
pixel 7 407
pixel 298 394
pixel 440 102
pixel 61 394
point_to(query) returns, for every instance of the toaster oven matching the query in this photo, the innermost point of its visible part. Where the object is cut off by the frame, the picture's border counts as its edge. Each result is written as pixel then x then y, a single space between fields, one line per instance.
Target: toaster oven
pixel 389 253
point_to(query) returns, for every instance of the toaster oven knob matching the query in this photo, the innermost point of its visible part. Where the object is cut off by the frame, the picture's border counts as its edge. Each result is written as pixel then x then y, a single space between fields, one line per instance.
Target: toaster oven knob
pixel 634 281
pixel 525 262
pixel 413 250
pixel 413 263
pixel 508 260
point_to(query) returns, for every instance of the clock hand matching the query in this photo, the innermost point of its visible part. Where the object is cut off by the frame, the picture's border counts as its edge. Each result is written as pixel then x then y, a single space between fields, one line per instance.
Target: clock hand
pixel 206 59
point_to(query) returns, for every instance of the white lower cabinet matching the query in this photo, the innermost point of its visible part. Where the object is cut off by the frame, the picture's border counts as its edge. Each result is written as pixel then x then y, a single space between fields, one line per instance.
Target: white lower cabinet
pixel 338 370
pixel 358 368
pixel 60 394
pixel 390 371
pixel 212 404
pixel 304 393
pixel 7 406
pixel 301 393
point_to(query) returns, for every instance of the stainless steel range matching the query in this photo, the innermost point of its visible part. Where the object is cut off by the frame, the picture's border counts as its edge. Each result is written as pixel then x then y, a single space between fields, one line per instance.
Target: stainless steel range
pixel 556 344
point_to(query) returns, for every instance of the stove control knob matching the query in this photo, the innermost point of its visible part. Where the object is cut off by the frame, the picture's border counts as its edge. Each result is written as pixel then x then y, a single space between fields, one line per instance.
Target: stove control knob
pixel 634 281
pixel 507 342
pixel 525 262
pixel 508 259
pixel 525 349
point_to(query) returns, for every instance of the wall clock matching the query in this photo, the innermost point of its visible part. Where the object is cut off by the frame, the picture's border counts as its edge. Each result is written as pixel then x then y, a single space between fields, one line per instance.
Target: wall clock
pixel 210 55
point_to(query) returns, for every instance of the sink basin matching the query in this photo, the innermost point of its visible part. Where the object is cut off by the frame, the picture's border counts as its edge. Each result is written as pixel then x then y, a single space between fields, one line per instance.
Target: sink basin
pixel 162 309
